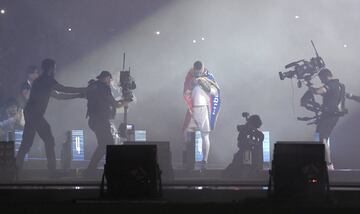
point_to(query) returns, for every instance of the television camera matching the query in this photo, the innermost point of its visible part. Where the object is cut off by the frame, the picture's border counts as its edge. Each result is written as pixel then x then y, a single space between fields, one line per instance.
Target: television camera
pixel 254 120
pixel 304 71
pixel 127 84
pixel 250 143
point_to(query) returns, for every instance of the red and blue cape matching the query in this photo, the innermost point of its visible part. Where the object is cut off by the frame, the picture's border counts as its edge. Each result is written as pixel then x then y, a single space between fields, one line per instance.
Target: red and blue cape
pixel 214 101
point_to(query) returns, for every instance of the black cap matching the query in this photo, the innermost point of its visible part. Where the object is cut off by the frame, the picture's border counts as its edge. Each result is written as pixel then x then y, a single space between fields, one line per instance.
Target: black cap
pixel 104 74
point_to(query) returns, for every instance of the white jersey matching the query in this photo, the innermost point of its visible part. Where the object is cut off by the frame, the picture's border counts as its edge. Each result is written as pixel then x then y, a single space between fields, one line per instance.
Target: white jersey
pixel 199 97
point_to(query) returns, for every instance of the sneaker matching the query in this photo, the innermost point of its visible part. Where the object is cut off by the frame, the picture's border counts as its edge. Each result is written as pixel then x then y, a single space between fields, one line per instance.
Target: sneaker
pixel 203 165
pixel 330 167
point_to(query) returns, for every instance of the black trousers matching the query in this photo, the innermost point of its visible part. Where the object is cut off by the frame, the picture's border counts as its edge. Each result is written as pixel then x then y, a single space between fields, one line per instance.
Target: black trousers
pixel 324 127
pixel 326 124
pixel 33 124
pixel 102 129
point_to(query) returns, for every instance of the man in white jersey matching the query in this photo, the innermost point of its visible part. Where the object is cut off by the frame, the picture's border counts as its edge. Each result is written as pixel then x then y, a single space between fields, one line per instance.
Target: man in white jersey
pixel 202 95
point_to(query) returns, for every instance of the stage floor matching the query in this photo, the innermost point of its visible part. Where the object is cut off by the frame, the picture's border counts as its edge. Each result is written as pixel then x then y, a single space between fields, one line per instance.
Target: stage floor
pixel 339 178
pixel 83 196
pixel 189 192
pixel 35 170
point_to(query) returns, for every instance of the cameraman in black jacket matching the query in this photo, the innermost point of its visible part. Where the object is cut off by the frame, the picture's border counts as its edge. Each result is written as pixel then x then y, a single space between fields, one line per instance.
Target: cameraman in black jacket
pixel 333 107
pixel 100 105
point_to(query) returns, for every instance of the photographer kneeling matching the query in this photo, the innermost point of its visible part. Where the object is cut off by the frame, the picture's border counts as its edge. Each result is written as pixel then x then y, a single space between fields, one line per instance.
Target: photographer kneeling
pixel 248 161
pixel 333 107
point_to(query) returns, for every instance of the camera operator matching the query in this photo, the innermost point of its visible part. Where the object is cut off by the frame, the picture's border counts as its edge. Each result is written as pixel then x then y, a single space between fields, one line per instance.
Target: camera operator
pixel 100 105
pixel 248 161
pixel 202 96
pixel 333 93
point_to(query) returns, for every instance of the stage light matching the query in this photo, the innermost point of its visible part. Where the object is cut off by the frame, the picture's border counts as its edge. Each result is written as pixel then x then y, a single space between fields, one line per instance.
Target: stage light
pixel 202 38
pixel 2 11
pixel 345 46
pixel 157 33
pixel 194 41
pixel 297 17
pixel 69 29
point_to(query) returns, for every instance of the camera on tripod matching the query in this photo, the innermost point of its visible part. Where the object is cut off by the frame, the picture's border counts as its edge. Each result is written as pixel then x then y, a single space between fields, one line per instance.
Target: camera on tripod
pixel 253 120
pixel 303 70
pixel 127 84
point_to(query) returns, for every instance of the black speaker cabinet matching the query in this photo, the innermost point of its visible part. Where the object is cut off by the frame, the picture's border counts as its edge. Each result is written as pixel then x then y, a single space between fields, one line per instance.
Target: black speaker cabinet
pixel 131 171
pixel 164 158
pixel 7 161
pixel 299 170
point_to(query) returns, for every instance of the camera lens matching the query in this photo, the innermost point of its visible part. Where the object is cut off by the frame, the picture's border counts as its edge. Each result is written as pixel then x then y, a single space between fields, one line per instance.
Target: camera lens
pixel 282 77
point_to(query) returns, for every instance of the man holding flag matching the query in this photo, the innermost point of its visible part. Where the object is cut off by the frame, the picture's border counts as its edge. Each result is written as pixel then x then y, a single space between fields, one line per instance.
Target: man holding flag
pixel 202 96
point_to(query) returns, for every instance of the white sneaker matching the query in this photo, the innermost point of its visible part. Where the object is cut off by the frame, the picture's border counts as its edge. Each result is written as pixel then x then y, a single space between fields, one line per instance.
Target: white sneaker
pixel 330 167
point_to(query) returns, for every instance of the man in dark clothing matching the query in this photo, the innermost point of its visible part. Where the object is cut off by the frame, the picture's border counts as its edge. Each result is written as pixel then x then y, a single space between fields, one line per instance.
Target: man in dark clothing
pixel 333 107
pixel 42 88
pixel 100 105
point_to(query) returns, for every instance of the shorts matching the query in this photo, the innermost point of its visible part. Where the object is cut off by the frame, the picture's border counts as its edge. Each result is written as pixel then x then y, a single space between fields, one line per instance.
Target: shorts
pixel 200 119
